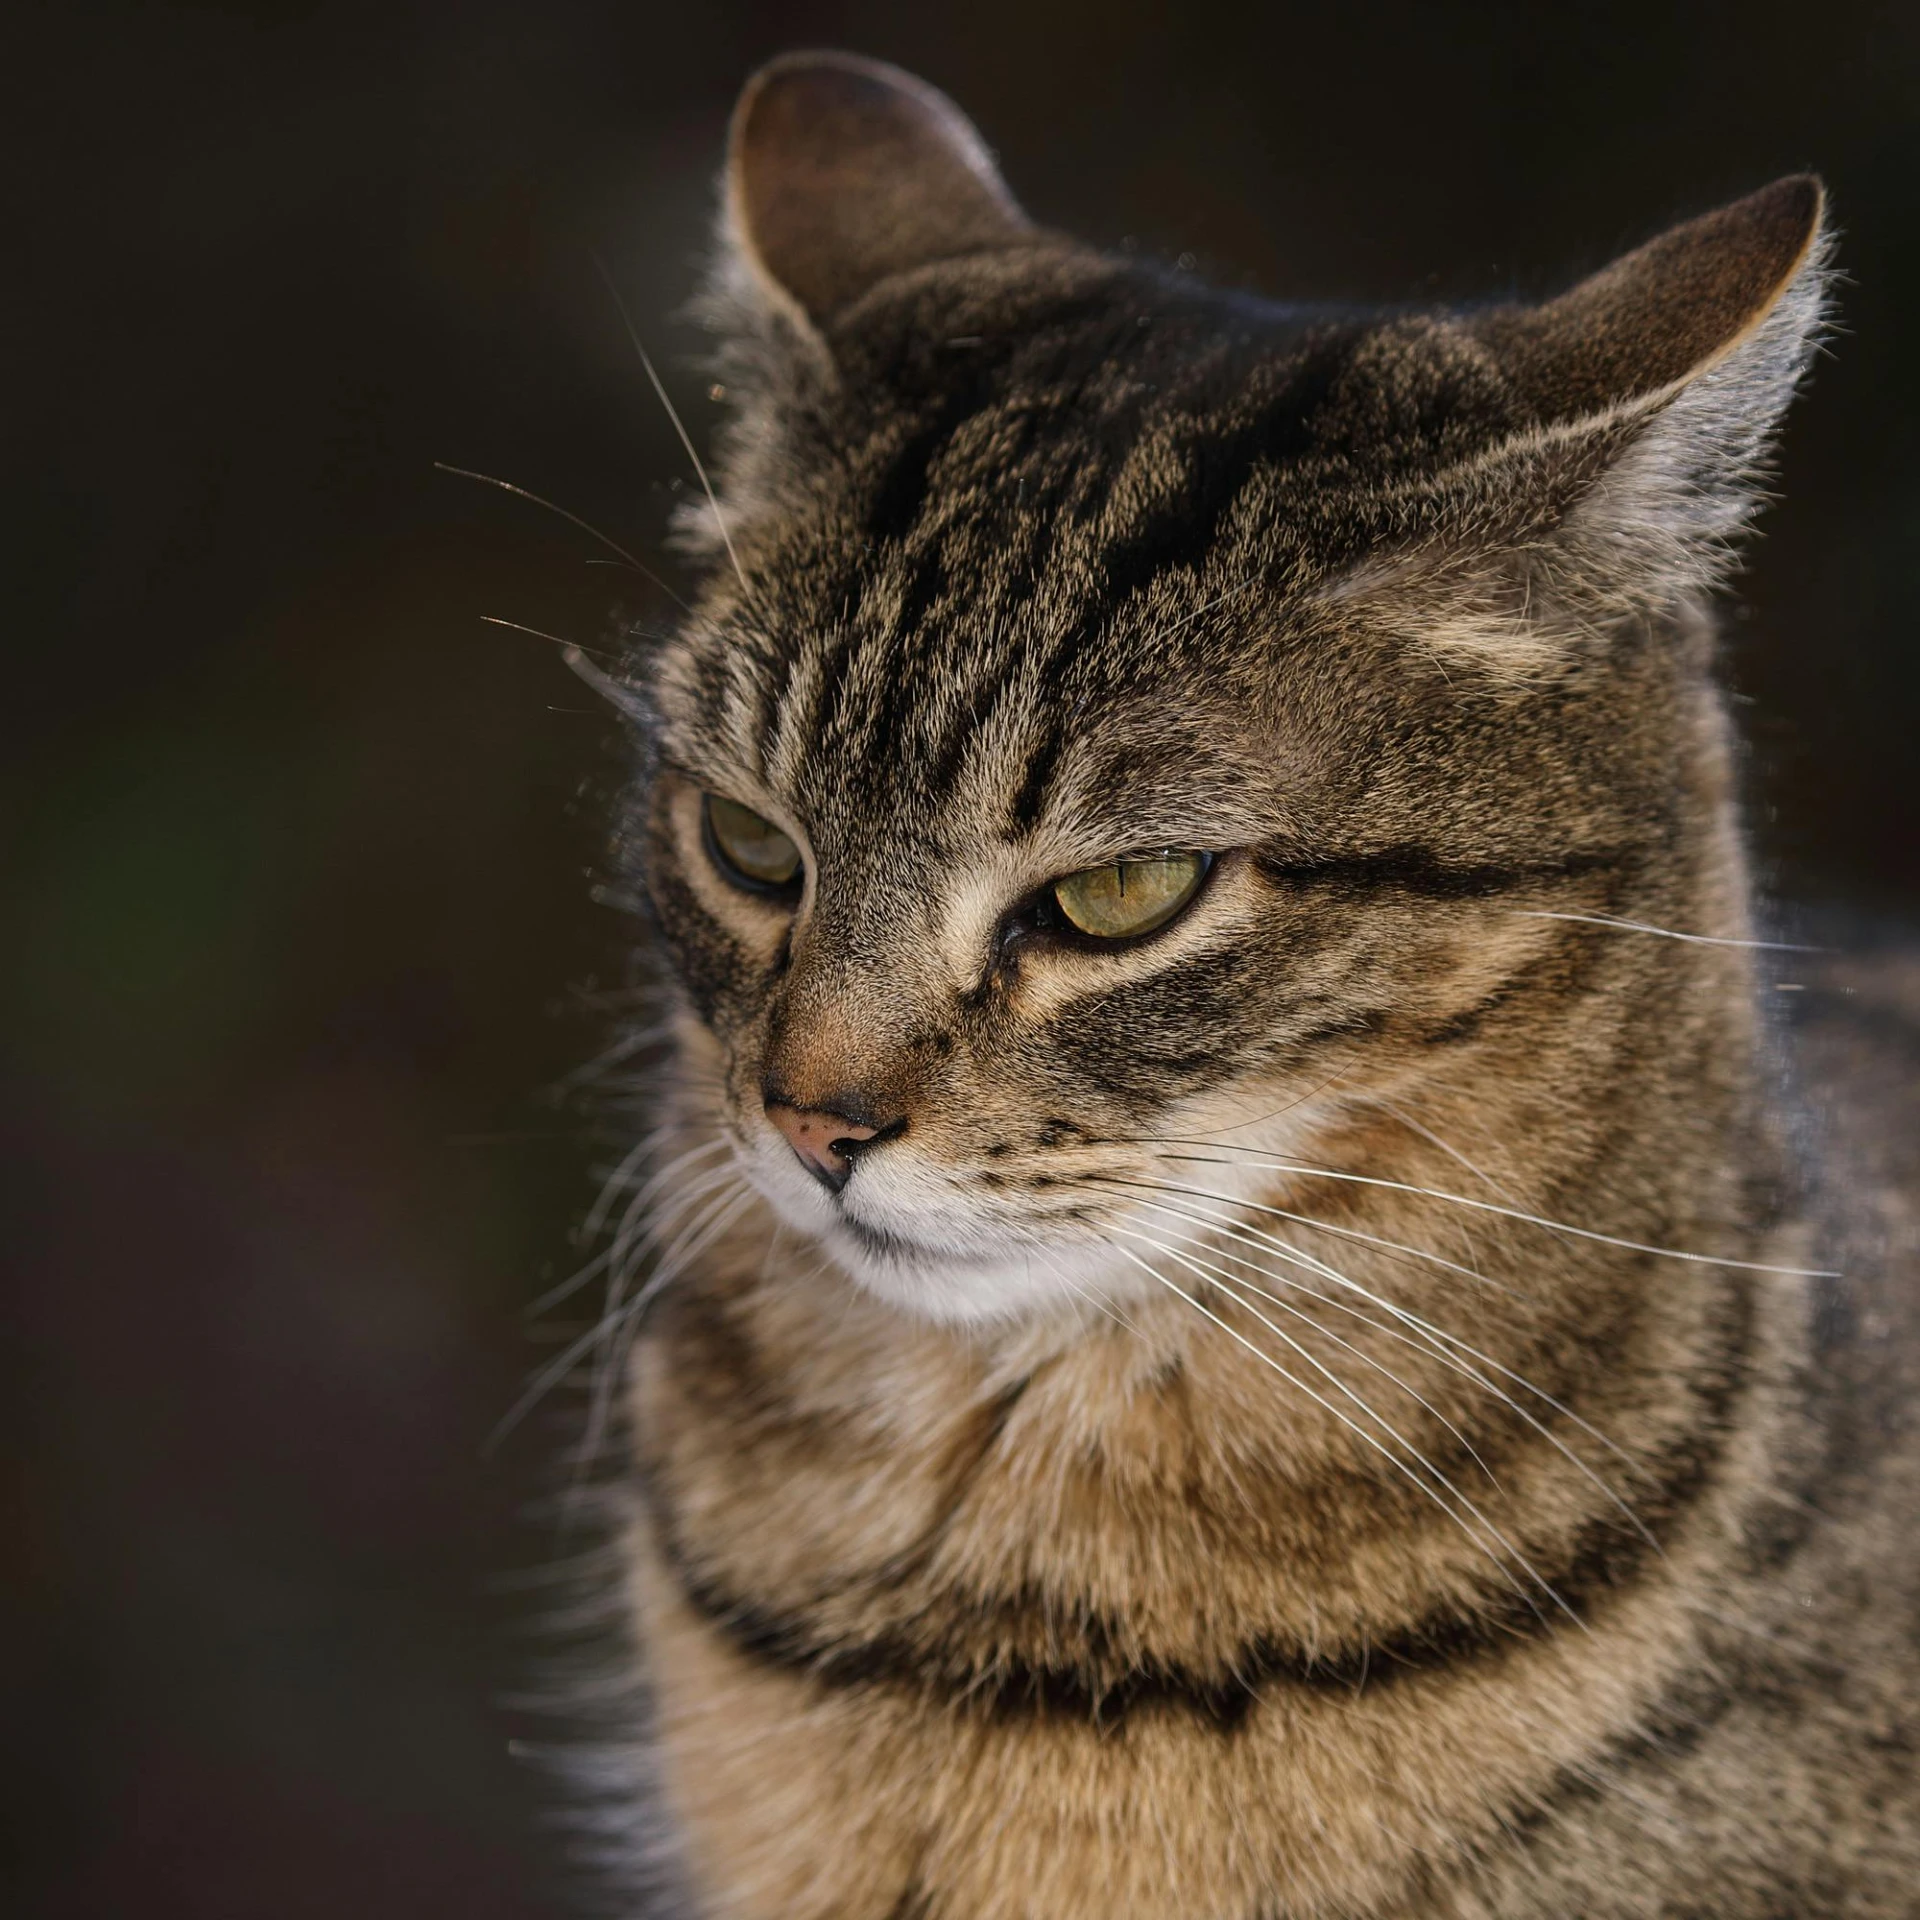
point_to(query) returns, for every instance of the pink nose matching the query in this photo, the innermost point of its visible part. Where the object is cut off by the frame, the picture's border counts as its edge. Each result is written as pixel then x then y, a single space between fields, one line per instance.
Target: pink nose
pixel 826 1142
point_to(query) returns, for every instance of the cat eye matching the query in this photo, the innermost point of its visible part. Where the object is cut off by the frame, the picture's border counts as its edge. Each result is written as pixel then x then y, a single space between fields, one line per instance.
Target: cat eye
pixel 752 852
pixel 1130 897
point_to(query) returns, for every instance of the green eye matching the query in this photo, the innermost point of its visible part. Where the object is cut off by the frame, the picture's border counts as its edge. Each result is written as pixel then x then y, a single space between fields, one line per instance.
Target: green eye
pixel 750 851
pixel 1130 897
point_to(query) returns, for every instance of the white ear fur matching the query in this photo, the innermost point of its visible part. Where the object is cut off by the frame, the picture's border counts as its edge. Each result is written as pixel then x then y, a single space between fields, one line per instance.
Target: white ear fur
pixel 1670 507
pixel 1662 381
pixel 1658 386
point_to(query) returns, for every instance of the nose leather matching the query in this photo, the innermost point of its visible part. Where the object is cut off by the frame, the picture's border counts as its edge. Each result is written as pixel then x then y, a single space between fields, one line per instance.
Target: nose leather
pixel 826 1142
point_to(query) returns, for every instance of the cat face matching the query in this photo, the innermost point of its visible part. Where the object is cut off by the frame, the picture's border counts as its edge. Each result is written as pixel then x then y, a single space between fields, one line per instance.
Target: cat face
pixel 1122 715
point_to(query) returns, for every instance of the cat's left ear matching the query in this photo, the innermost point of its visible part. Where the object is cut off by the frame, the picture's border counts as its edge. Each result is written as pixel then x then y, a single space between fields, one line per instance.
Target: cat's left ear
pixel 1659 383
pixel 843 171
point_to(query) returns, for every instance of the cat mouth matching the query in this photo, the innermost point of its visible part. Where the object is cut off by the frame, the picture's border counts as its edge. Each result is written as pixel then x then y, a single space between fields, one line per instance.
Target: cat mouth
pixel 881 1244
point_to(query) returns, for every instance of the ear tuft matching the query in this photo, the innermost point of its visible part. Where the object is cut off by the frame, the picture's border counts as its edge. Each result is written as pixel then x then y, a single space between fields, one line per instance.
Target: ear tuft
pixel 842 171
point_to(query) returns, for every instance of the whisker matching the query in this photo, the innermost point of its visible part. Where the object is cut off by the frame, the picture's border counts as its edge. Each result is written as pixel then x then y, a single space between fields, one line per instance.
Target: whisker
pixel 633 1158
pixel 1433 1139
pixel 623 1241
pixel 1393 1432
pixel 673 414
pixel 1086 1293
pixel 1299 1100
pixel 619 1323
pixel 1665 933
pixel 540 633
pixel 1490 1207
pixel 1436 1341
pixel 1289 1252
pixel 1396 1247
pixel 558 1368
pixel 635 1234
pixel 1223 1278
pixel 634 1040
pixel 596 1217
pixel 1366 1439
pixel 585 526
pixel 616 1330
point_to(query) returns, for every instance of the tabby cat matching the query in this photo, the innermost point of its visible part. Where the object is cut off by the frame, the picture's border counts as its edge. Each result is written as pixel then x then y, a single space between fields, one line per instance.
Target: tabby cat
pixel 1236 1331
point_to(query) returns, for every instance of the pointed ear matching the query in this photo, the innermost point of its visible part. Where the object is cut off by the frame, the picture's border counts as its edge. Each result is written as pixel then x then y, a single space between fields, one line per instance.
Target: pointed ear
pixel 1665 313
pixel 1658 385
pixel 842 171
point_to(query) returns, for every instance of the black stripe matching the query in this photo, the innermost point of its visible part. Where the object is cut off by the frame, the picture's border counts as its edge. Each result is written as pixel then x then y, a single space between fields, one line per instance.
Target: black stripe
pixel 902 489
pixel 914 1902
pixel 1410 869
pixel 1606 1558
pixel 1220 461
pixel 1029 357
pixel 1028 802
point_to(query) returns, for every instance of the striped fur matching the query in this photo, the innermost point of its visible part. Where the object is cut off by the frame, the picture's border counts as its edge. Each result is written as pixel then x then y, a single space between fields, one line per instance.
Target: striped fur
pixel 1327 1410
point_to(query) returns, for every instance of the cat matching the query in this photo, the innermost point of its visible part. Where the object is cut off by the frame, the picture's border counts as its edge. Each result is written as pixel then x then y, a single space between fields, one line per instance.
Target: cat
pixel 1239 1330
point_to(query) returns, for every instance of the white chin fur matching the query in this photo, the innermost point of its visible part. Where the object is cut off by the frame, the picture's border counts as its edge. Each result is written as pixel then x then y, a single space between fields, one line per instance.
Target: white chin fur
pixel 936 1263
pixel 974 1292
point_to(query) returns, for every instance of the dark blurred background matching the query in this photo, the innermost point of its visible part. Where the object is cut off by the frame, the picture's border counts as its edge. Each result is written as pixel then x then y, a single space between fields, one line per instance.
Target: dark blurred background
pixel 299 939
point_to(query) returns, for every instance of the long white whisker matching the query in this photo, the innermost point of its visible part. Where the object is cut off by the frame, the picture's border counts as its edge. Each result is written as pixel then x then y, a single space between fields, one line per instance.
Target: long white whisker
pixel 587 527
pixel 673 414
pixel 1397 1247
pixel 614 1335
pixel 629 1161
pixel 1231 1281
pixel 651 1187
pixel 1665 933
pixel 618 1321
pixel 634 1039
pixel 1363 1435
pixel 1433 1139
pixel 1436 1342
pixel 637 1234
pixel 1091 1298
pixel 1290 1252
pixel 635 1229
pixel 625 1240
pixel 558 1368
pixel 1505 1213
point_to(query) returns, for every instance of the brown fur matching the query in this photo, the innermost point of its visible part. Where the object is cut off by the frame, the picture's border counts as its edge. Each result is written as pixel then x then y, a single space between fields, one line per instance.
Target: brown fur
pixel 996 1554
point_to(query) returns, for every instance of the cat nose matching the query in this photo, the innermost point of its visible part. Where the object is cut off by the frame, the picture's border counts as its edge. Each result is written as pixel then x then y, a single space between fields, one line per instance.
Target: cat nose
pixel 827 1139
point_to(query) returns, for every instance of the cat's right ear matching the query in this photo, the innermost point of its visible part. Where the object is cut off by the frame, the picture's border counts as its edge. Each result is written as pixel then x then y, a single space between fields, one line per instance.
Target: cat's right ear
pixel 842 172
pixel 1658 384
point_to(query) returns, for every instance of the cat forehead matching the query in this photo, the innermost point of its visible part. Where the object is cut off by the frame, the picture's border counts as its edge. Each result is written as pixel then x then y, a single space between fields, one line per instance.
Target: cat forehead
pixel 866 742
pixel 1076 372
pixel 1065 529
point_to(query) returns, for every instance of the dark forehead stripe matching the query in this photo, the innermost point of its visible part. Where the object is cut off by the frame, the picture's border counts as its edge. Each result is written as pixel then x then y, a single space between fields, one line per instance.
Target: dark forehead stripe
pixel 1021 400
pixel 980 569
pixel 925 385
pixel 963 380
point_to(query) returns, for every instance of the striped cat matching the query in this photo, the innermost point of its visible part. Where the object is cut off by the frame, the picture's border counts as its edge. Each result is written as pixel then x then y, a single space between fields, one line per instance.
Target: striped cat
pixel 1236 1331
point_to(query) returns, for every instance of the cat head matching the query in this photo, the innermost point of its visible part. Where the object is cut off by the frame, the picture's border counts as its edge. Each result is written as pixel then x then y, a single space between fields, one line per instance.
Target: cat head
pixel 1119 711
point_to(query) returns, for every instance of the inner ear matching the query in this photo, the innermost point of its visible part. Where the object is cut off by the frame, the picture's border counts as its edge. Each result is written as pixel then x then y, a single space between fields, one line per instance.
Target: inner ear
pixel 1665 313
pixel 842 171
